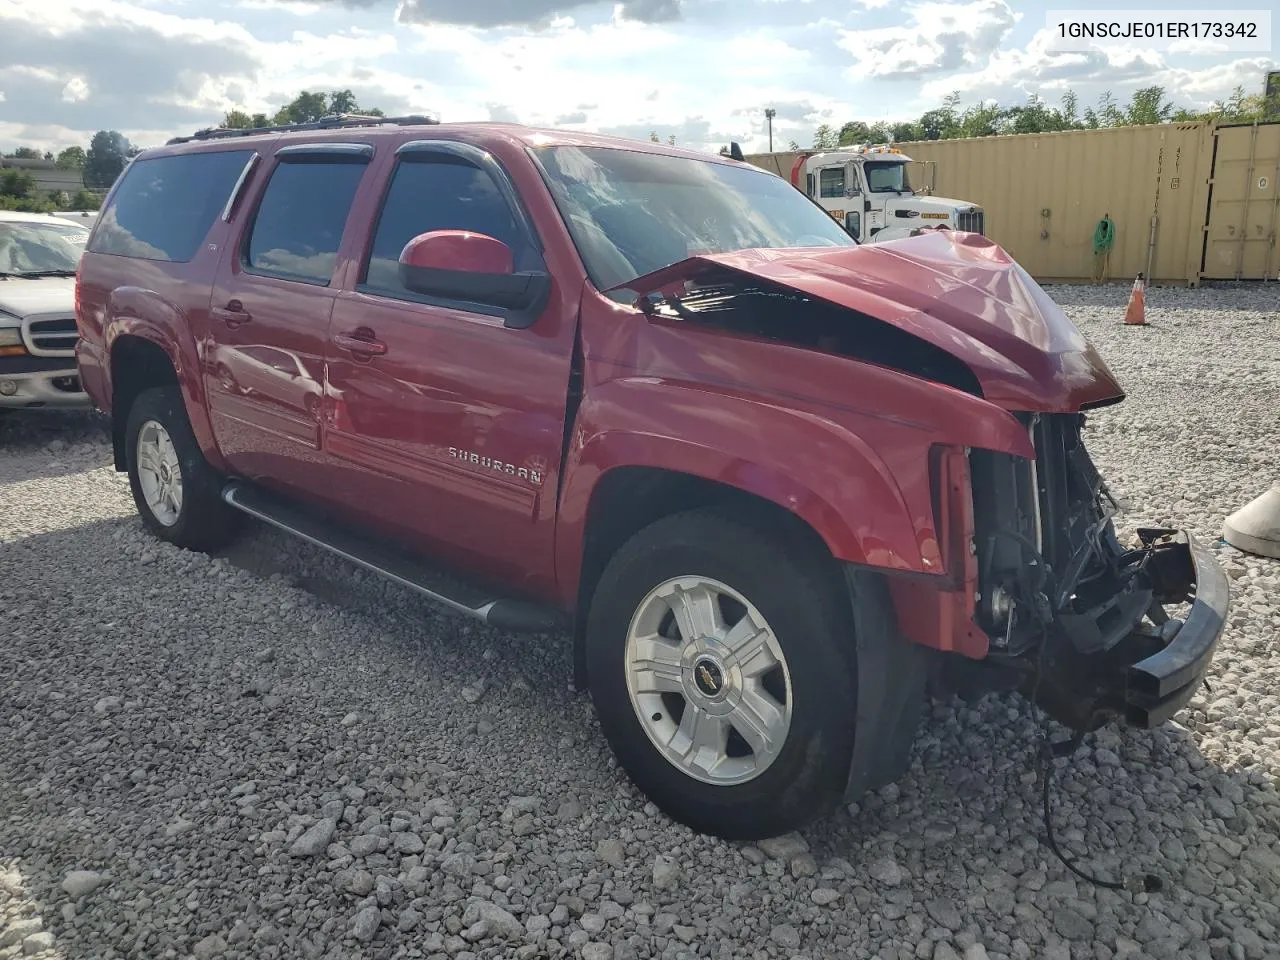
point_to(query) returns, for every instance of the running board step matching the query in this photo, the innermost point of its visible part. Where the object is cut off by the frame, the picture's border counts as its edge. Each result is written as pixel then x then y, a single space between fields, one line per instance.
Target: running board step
pixel 385 559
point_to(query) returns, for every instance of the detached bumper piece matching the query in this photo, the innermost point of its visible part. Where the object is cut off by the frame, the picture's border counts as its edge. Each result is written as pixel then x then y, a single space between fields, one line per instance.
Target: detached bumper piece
pixel 1160 685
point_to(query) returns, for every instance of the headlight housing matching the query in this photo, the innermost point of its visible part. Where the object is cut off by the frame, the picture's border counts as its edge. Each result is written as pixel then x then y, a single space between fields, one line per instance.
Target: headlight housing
pixel 10 336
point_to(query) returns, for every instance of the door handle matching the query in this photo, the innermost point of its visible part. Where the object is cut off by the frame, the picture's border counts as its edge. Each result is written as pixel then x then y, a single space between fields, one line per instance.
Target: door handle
pixel 361 342
pixel 233 314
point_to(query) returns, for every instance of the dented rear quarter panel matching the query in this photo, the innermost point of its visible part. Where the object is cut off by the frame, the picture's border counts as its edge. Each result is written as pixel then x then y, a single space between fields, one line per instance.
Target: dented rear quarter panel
pixel 843 444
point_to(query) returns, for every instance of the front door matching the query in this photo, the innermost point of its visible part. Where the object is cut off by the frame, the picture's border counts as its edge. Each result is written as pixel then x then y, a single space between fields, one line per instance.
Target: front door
pixel 447 424
pixel 264 364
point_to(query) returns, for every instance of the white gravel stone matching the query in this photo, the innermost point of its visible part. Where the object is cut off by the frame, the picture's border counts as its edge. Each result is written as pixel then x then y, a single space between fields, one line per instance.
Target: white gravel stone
pixel 38 943
pixel 315 840
pixel 81 883
pixel 135 699
pixel 15 931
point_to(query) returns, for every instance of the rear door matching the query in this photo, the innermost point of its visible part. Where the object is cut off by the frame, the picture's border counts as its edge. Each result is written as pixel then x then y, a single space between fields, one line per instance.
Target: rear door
pixel 451 434
pixel 264 370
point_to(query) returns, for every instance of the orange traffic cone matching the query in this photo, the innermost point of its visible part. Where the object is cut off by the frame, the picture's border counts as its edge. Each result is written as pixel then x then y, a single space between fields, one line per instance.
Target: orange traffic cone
pixel 1135 314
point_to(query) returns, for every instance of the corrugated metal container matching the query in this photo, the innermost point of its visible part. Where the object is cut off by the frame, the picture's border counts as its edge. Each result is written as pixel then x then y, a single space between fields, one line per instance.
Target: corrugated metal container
pixel 1244 204
pixel 779 163
pixel 1044 194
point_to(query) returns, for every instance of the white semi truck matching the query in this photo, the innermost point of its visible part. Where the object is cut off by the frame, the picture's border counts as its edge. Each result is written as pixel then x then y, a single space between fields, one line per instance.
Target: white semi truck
pixel 866 189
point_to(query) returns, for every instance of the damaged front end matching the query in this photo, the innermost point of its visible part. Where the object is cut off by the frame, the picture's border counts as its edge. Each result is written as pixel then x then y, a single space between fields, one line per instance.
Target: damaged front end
pixel 1076 616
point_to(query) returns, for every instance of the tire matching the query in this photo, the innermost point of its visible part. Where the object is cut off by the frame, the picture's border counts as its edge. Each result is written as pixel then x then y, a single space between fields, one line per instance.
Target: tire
pixel 806 608
pixel 201 520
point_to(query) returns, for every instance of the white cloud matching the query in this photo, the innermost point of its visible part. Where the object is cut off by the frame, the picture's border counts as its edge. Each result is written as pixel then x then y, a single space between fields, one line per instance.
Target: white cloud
pixel 75 90
pixel 299 8
pixel 1013 74
pixel 156 68
pixel 939 37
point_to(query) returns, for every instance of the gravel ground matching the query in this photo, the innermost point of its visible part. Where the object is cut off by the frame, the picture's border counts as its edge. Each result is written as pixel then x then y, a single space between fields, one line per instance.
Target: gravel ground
pixel 270 754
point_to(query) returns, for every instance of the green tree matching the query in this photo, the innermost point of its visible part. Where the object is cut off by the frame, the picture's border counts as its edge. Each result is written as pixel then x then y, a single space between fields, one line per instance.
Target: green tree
pixel 344 101
pixel 1239 107
pixel 1070 108
pixel 84 200
pixel 824 138
pixel 1147 105
pixel 108 151
pixel 903 132
pixel 72 158
pixel 982 120
pixel 306 107
pixel 25 153
pixel 18 184
pixel 855 131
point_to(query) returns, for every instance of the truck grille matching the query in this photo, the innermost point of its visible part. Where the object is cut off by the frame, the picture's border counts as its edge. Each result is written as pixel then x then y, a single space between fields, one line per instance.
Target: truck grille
pixel 971 221
pixel 50 336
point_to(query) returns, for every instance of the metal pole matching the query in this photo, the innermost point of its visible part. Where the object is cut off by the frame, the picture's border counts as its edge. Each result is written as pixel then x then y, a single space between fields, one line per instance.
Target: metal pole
pixel 769 115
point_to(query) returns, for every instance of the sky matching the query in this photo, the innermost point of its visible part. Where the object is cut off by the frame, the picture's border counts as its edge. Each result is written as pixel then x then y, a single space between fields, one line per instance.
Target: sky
pixel 701 70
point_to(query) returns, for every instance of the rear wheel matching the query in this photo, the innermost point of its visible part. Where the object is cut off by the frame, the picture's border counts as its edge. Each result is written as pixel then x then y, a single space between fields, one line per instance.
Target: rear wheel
pixel 177 493
pixel 720 661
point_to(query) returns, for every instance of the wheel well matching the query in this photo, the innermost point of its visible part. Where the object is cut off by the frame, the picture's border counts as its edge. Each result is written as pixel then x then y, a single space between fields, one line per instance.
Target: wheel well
pixel 136 365
pixel 628 499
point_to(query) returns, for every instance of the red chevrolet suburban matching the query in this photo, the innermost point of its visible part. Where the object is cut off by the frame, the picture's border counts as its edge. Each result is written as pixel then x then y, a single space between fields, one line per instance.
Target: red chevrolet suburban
pixel 778 486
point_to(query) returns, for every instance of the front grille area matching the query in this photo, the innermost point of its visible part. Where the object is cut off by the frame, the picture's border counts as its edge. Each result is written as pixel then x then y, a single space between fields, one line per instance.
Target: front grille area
pixel 51 337
pixel 1055 508
pixel 971 221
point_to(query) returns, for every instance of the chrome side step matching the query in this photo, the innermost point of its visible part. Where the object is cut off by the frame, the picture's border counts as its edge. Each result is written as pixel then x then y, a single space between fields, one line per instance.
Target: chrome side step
pixel 395 564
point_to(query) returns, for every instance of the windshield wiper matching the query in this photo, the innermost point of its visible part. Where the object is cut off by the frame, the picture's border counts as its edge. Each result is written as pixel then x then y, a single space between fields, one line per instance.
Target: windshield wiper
pixel 41 273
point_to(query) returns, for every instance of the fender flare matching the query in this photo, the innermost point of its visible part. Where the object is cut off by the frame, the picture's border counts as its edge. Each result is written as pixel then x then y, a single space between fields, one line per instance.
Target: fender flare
pixel 823 473
pixel 144 314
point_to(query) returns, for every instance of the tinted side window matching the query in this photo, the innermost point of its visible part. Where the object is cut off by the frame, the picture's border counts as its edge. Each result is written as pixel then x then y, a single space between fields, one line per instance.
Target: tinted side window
pixel 164 206
pixel 299 223
pixel 434 195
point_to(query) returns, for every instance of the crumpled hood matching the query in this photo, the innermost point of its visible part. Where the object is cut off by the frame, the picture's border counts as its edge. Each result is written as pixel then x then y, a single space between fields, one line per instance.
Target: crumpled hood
pixel 38 295
pixel 957 291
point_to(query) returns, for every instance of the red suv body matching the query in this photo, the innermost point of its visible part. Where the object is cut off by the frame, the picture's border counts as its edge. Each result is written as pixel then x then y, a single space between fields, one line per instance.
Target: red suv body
pixel 773 481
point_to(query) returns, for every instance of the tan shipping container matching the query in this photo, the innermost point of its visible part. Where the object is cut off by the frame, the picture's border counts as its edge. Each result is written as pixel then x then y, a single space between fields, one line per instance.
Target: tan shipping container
pixel 1044 195
pixel 1244 204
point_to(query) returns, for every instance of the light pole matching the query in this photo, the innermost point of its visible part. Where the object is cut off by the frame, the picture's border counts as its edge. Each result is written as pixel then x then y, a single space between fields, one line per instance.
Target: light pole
pixel 769 114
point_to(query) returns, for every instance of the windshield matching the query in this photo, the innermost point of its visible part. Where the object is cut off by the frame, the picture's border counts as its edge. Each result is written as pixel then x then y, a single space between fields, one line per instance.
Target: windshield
pixel 631 213
pixel 33 248
pixel 886 176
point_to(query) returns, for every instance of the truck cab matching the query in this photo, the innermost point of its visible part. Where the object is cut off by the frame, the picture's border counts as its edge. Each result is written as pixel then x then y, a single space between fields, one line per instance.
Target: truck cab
pixel 867 191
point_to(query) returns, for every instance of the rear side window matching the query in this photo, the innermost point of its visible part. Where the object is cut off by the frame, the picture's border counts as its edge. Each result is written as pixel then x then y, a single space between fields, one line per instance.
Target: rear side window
pixel 164 206
pixel 435 195
pixel 298 227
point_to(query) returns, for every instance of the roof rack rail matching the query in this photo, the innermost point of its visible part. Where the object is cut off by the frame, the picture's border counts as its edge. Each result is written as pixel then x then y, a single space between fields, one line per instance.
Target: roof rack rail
pixel 331 122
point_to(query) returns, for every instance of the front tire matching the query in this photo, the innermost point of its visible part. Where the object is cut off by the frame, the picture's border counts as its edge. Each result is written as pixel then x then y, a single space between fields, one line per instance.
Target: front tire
pixel 175 490
pixel 721 663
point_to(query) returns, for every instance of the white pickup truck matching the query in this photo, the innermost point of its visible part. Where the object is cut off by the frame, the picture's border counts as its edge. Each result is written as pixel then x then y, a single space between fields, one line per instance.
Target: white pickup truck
pixel 38 258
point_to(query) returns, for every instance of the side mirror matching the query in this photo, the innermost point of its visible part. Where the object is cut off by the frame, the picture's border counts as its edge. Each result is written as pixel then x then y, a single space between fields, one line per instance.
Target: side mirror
pixel 474 267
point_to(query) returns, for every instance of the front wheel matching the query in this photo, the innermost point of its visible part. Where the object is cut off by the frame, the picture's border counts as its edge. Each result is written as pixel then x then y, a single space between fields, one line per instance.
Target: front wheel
pixel 720 661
